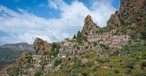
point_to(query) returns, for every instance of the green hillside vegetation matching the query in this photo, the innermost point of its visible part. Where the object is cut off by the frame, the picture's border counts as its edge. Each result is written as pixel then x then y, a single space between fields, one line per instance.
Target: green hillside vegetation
pixel 131 64
pixel 8 55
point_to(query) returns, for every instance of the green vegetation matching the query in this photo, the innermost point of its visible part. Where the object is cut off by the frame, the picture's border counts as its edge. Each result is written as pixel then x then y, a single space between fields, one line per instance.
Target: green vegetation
pixel 8 55
pixel 143 32
pixel 143 64
pixel 104 46
pixel 38 73
pixel 13 71
pixel 80 37
pixel 57 62
pixel 55 49
pixel 115 65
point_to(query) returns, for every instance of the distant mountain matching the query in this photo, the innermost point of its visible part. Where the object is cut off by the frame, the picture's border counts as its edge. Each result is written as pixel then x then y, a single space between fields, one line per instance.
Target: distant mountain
pixel 19 46
pixel 10 52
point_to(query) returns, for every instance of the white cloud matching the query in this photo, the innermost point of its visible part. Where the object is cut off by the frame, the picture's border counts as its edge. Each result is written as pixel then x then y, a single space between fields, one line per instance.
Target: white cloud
pixel 24 26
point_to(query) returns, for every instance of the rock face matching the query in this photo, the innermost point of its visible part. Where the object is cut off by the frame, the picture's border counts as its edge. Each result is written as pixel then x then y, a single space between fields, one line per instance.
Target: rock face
pixel 114 20
pixel 131 11
pixel 23 60
pixel 41 46
pixel 89 26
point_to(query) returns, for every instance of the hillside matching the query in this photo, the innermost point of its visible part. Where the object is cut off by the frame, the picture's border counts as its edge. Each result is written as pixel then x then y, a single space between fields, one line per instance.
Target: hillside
pixel 10 52
pixel 19 46
pixel 119 49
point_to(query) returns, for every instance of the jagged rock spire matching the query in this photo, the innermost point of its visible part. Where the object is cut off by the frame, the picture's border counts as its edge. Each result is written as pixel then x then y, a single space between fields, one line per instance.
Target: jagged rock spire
pixel 41 46
pixel 88 18
pixel 89 26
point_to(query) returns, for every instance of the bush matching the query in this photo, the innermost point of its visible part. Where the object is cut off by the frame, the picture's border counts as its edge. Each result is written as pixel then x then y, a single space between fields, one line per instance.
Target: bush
pixel 104 46
pixel 143 33
pixel 103 60
pixel 78 63
pixel 72 74
pixel 38 73
pixel 80 37
pixel 130 65
pixel 90 63
pixel 84 74
pixel 55 49
pixel 143 64
pixel 116 71
pixel 141 74
pixel 130 48
pixel 129 71
pixel 57 62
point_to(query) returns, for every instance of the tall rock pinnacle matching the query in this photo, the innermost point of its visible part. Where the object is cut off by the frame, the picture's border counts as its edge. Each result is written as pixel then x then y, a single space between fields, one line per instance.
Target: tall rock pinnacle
pixel 89 26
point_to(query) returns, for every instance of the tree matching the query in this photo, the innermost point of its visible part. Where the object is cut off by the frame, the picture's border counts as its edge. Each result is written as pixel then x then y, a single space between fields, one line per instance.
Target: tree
pixel 57 62
pixel 74 37
pixel 143 64
pixel 55 49
pixel 80 37
pixel 38 73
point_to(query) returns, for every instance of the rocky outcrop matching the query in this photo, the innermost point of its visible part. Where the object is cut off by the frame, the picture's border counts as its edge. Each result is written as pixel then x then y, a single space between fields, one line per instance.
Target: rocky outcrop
pixel 41 47
pixel 131 11
pixel 89 26
pixel 23 60
pixel 22 63
pixel 114 20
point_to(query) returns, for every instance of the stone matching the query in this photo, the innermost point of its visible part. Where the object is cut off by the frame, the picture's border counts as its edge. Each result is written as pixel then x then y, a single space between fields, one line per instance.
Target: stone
pixel 84 61
pixel 41 47
pixel 89 26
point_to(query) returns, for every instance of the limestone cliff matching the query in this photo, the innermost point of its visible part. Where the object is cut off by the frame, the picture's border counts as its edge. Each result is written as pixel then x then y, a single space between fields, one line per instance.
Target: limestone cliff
pixel 41 46
pixel 114 20
pixel 131 11
pixel 89 26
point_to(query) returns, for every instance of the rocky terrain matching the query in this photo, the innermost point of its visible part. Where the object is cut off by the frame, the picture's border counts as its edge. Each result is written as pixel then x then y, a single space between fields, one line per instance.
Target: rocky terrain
pixel 119 49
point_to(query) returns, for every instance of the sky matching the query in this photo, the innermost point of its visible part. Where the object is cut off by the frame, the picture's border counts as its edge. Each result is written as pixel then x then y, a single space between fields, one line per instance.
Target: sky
pixel 51 20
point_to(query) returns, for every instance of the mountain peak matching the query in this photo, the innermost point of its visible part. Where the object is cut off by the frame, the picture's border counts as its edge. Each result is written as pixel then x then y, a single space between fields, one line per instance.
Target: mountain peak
pixel 88 18
pixel 89 26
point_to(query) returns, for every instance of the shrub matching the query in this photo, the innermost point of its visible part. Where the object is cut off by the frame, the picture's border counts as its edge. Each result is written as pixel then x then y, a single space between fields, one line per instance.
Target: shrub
pixel 38 73
pixel 141 74
pixel 104 46
pixel 84 74
pixel 57 62
pixel 74 59
pixel 90 63
pixel 72 74
pixel 116 71
pixel 143 64
pixel 55 49
pixel 103 60
pixel 109 74
pixel 78 63
pixel 129 71
pixel 130 65
pixel 80 37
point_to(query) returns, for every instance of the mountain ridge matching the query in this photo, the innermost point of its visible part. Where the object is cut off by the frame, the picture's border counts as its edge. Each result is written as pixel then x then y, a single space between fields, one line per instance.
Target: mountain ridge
pixel 118 49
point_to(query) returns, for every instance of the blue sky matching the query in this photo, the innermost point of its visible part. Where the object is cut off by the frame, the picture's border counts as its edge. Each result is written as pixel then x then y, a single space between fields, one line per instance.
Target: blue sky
pixel 51 20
